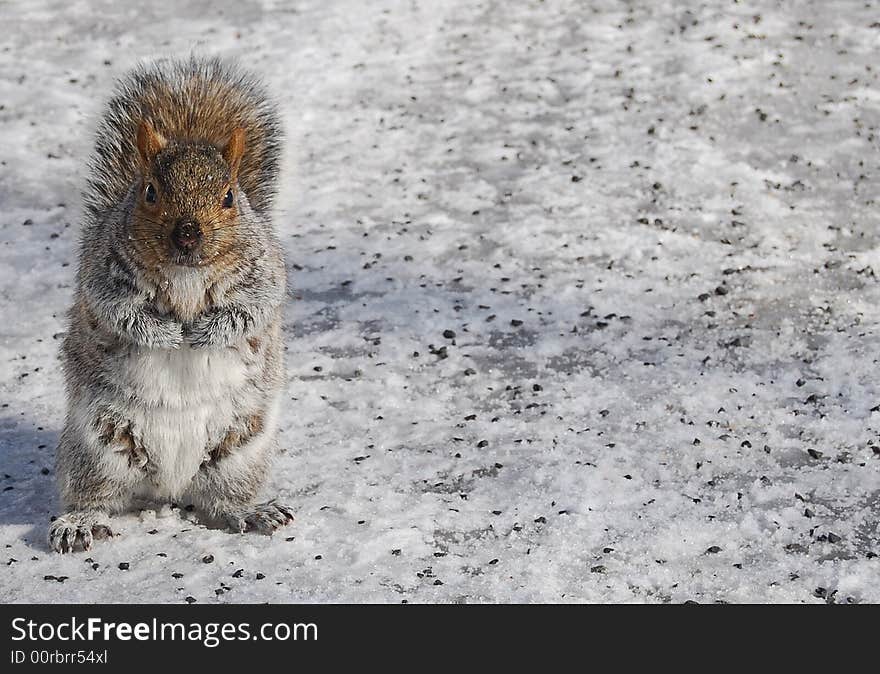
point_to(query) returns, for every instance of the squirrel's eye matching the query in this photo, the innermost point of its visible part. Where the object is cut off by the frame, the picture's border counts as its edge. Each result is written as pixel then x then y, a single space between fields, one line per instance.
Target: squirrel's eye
pixel 150 194
pixel 228 199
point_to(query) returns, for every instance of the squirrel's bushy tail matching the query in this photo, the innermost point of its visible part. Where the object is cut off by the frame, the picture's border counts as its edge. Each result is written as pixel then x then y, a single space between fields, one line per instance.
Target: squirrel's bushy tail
pixel 195 99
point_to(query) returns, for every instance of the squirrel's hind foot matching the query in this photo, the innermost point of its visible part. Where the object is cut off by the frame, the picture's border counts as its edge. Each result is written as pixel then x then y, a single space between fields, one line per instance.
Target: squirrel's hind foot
pixel 75 532
pixel 264 518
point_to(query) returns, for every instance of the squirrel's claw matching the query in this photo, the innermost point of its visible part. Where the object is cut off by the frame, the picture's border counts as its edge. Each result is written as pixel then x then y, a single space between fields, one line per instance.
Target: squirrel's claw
pixel 264 518
pixel 75 534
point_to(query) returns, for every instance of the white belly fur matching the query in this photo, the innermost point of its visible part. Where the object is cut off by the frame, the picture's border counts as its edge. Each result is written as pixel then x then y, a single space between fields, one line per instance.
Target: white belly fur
pixel 181 378
pixel 187 400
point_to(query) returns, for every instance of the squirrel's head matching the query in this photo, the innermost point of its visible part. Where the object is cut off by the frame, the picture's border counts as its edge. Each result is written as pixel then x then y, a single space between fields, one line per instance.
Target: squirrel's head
pixel 187 200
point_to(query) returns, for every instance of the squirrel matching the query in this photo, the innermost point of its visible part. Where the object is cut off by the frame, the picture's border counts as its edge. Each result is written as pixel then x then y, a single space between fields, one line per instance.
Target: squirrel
pixel 173 359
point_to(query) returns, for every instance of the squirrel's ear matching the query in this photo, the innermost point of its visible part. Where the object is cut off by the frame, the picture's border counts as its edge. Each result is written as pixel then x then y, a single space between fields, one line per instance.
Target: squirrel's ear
pixel 234 150
pixel 150 142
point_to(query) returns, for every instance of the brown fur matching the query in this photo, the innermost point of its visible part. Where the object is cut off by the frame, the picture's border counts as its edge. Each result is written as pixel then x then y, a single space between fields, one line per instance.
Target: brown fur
pixel 197 100
pixel 120 437
pixel 236 437
pixel 190 183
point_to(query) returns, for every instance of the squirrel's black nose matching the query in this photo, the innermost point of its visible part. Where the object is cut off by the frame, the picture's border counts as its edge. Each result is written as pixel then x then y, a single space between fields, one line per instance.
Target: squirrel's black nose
pixel 187 236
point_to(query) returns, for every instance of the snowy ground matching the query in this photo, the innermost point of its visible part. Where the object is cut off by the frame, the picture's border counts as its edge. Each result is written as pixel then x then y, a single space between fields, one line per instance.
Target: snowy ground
pixel 651 229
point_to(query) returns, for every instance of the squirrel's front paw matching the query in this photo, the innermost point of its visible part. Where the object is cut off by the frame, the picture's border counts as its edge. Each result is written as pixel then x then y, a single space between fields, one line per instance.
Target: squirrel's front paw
pixel 174 340
pixel 220 327
pixel 264 518
pixel 200 334
pixel 162 334
pixel 74 532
